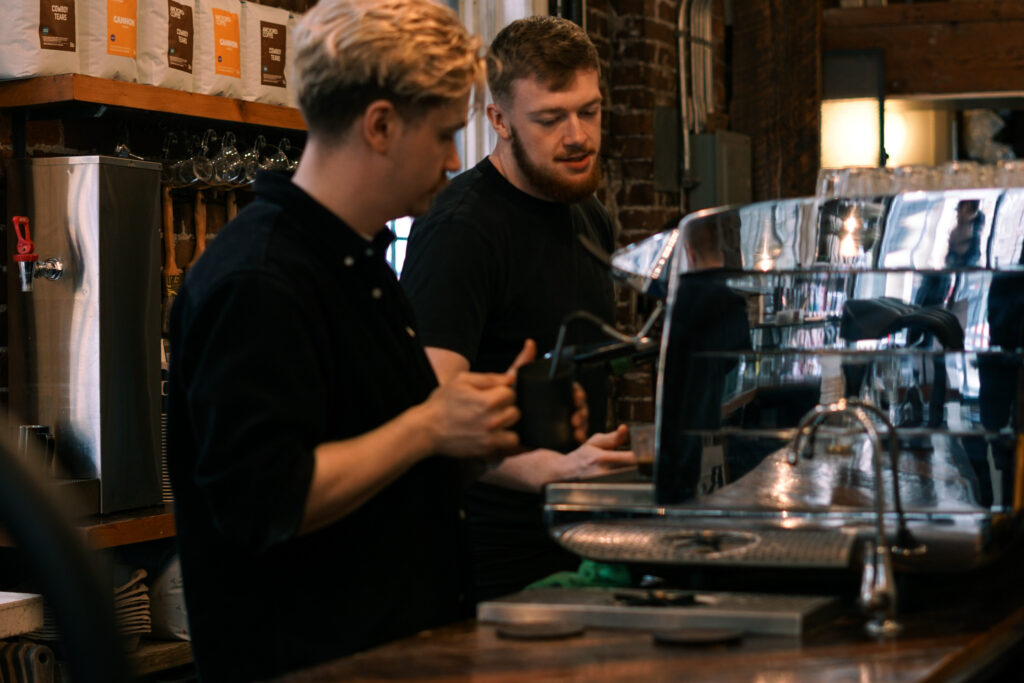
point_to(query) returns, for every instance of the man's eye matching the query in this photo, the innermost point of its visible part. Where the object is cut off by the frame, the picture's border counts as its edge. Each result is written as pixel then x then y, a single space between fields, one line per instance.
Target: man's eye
pixel 549 122
pixel 589 113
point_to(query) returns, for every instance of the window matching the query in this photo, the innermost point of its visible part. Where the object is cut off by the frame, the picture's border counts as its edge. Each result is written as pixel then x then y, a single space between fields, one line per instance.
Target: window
pixel 396 251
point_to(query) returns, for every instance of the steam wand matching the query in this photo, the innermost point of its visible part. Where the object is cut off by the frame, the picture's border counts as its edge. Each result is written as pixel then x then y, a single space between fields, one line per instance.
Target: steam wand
pixel 639 341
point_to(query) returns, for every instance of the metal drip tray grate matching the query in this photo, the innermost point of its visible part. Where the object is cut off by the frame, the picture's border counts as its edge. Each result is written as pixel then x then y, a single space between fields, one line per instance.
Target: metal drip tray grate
pixel 632 541
pixel 787 615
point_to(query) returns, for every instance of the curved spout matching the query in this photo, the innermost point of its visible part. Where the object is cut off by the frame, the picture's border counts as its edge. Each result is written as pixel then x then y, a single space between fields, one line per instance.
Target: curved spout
pixel 878 585
pixel 905 544
pixel 878 588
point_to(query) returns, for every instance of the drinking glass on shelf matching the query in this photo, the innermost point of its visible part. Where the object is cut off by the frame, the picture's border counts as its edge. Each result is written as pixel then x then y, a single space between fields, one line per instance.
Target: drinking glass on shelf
pixel 830 183
pixel 1010 173
pixel 290 153
pixel 916 177
pixel 960 174
pixel 197 168
pixel 228 166
pixel 166 165
pixel 251 158
pixel 276 160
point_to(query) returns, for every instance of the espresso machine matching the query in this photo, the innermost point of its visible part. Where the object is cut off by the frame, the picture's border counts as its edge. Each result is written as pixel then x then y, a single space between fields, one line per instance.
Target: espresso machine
pixel 84 311
pixel 840 389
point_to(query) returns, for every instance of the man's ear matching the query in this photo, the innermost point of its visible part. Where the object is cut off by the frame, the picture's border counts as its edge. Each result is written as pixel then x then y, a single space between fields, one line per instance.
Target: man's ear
pixel 381 125
pixel 499 121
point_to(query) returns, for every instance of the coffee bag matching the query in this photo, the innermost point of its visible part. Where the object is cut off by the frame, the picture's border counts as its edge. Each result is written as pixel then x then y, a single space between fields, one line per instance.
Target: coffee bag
pixel 108 33
pixel 167 43
pixel 265 43
pixel 41 38
pixel 218 54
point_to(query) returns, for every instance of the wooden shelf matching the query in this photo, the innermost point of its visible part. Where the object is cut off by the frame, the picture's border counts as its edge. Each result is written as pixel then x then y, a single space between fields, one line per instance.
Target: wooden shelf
pixel 66 88
pixel 107 531
pixel 150 524
pixel 158 655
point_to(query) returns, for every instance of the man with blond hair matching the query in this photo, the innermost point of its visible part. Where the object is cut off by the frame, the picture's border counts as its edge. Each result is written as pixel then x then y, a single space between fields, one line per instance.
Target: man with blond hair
pixel 498 259
pixel 317 513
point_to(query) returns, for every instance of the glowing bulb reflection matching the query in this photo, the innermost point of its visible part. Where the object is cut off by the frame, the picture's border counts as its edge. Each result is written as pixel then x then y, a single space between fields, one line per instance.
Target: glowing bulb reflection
pixel 847 244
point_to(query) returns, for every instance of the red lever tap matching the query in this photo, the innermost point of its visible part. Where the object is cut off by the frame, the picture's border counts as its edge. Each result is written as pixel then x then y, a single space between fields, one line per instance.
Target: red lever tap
pixel 25 246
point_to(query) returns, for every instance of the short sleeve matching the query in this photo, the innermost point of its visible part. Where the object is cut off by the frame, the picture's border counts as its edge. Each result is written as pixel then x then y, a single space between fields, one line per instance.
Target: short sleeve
pixel 450 276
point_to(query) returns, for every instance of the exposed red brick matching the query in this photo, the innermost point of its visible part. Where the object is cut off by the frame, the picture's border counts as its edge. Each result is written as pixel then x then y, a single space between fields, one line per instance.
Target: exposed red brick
pixel 637 194
pixel 636 168
pixel 636 147
pixel 632 123
pixel 634 97
pixel 656 29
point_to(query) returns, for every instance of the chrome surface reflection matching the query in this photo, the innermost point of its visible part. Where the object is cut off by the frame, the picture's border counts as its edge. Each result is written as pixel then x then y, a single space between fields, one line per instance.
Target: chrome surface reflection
pixel 911 305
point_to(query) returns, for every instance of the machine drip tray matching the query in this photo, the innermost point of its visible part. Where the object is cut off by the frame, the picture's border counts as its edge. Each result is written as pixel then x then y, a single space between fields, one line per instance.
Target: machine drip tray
pixel 660 609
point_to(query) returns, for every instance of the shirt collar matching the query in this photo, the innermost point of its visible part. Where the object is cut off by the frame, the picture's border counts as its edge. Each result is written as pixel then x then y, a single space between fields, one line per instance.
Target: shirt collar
pixel 317 220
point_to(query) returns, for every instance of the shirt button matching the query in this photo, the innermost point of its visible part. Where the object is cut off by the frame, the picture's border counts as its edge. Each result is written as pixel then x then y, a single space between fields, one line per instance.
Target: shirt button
pixel 462 514
pixel 376 293
pixel 369 252
pixel 349 261
pixel 411 332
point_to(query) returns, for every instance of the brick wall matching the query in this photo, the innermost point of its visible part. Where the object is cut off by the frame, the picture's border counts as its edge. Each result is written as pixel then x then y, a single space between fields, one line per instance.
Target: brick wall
pixel 777 93
pixel 636 40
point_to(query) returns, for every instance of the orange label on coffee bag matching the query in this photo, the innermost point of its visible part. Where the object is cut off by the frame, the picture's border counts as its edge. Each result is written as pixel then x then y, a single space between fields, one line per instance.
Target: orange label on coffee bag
pixel 226 48
pixel 122 17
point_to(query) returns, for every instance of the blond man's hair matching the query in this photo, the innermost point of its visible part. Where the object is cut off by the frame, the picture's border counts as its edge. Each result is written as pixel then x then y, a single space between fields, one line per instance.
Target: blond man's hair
pixel 349 53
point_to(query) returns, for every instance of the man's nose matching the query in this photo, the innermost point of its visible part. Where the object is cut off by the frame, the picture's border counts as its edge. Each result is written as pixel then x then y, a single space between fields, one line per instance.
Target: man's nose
pixel 574 134
pixel 453 163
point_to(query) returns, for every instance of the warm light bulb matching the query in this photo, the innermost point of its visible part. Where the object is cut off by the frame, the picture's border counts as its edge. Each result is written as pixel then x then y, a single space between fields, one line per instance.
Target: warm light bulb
pixel 847 246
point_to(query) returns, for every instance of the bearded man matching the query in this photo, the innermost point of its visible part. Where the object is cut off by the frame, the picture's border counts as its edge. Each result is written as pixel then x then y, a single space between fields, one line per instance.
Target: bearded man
pixel 498 260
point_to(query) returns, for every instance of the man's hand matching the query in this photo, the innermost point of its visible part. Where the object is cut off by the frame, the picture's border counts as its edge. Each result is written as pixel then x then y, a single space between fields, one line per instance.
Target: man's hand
pixel 579 397
pixel 472 413
pixel 531 471
pixel 581 417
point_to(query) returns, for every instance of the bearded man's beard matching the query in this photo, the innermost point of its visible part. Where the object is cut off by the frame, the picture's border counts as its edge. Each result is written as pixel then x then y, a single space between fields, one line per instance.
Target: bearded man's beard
pixel 552 186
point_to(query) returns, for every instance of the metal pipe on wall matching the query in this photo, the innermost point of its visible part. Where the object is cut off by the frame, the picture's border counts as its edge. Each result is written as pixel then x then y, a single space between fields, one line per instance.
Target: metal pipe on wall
pixel 682 39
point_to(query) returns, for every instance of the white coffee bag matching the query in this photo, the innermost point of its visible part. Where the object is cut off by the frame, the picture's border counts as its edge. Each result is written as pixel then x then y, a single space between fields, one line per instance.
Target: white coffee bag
pixel 108 33
pixel 265 36
pixel 167 43
pixel 218 55
pixel 40 39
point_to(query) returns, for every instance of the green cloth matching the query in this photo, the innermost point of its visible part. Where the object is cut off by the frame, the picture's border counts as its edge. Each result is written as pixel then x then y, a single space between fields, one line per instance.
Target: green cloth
pixel 589 575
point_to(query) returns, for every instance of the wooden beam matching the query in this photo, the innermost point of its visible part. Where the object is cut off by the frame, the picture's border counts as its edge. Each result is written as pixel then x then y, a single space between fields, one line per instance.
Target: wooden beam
pixel 937 48
pixel 924 13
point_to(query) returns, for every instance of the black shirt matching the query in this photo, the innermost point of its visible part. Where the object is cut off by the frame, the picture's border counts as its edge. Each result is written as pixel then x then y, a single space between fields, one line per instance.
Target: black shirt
pixel 289 332
pixel 488 267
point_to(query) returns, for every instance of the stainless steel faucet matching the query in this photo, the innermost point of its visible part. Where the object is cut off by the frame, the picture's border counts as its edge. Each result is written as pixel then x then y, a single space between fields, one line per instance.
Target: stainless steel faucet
pixel 878 587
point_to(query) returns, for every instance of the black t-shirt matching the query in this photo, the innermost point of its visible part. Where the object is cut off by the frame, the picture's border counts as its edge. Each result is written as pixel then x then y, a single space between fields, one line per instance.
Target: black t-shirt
pixel 488 267
pixel 289 332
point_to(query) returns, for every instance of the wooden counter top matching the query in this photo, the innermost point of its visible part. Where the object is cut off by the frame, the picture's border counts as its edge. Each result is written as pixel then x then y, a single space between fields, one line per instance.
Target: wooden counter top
pixel 956 628
pixel 472 652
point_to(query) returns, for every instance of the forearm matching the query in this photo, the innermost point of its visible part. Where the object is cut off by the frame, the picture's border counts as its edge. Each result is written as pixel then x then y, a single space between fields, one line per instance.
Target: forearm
pixel 528 471
pixel 346 474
